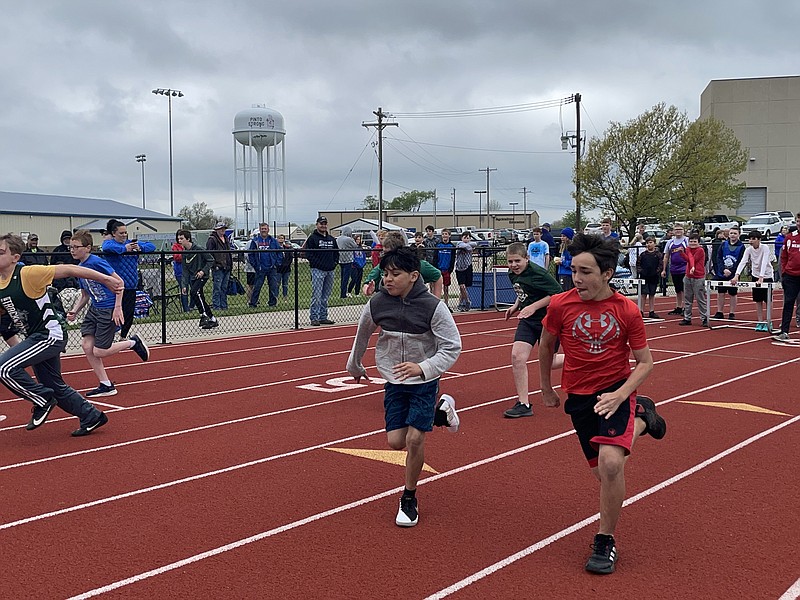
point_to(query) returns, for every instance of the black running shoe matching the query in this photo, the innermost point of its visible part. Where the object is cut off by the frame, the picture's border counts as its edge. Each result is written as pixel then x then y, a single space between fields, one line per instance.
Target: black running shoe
pixel 102 390
pixel 646 410
pixel 718 315
pixel 407 514
pixel 519 410
pixel 685 322
pixel 327 322
pixel 39 414
pixel 604 555
pixel 676 311
pixel 653 315
pixel 140 347
pixel 91 426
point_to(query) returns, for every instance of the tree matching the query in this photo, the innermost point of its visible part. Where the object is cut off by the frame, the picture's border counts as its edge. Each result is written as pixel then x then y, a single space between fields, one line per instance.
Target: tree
pixel 411 201
pixel 661 165
pixel 199 216
pixel 568 220
pixel 370 203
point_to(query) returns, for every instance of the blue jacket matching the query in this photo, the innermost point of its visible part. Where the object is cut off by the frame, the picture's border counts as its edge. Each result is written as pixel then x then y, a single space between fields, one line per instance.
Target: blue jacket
pixel 264 261
pixel 126 266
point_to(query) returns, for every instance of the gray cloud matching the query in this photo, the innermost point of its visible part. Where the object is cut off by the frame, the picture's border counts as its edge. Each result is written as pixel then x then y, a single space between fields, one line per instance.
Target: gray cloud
pixel 77 81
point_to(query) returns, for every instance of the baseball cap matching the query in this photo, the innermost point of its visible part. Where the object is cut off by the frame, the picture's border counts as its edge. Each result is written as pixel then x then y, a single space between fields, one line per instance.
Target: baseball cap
pixel 220 225
pixel 33 236
pixel 322 219
pixel 546 225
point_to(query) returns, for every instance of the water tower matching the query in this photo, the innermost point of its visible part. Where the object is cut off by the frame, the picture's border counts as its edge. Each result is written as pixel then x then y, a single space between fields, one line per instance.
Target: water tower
pixel 259 157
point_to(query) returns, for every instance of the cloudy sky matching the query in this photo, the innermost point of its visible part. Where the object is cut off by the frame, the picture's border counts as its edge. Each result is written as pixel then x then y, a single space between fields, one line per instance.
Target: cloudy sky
pixel 76 77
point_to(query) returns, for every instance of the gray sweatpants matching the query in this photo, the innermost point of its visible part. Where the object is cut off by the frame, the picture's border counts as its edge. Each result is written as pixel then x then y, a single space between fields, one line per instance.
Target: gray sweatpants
pixel 694 288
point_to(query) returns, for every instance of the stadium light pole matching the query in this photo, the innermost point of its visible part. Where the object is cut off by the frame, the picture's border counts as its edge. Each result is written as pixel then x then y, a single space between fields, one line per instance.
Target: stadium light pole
pixel 513 213
pixel 142 158
pixel 480 207
pixel 169 93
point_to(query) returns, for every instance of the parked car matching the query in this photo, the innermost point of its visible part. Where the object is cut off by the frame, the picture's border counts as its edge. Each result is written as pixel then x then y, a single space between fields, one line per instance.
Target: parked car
pixel 505 236
pixel 592 228
pixel 712 223
pixel 768 225
pixel 784 215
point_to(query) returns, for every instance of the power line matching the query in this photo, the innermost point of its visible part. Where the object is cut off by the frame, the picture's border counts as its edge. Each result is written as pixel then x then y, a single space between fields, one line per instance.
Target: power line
pixel 477 112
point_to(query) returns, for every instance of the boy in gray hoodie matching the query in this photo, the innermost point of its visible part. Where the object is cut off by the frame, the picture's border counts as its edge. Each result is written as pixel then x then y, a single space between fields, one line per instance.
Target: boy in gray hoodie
pixel 418 343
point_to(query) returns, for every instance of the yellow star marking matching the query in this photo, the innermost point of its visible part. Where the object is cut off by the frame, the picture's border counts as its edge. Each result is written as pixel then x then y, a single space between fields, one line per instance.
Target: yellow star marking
pixel 393 457
pixel 738 406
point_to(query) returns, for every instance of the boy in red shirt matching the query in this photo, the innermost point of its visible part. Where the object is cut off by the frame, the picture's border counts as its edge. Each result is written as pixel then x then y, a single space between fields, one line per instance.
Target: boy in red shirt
pixel 694 282
pixel 598 329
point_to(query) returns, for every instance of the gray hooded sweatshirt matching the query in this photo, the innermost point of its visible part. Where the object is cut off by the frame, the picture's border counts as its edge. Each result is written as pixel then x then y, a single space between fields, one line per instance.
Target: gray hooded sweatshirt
pixel 418 328
pixel 346 243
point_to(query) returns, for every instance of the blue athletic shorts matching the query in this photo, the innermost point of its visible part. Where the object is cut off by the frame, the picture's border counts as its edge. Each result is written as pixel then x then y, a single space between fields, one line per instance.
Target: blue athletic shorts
pixel 410 405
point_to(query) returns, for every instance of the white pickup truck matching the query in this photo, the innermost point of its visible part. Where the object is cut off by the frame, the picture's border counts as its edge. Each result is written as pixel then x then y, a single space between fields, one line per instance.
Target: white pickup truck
pixel 713 223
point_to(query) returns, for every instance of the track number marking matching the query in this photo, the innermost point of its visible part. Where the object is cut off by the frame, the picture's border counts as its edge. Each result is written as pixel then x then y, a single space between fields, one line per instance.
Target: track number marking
pixel 341 384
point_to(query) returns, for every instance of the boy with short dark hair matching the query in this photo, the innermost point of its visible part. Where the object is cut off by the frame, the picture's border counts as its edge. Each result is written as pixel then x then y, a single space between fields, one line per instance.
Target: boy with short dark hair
pixel 24 296
pixel 598 329
pixel 694 281
pixel 758 256
pixel 103 317
pixel 463 269
pixel 649 268
pixel 445 258
pixel 534 288
pixel 417 344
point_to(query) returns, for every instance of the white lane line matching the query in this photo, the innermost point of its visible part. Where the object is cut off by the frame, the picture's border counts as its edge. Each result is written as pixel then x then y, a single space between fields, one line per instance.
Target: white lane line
pixel 293 453
pixel 247 365
pixel 464 582
pixel 793 593
pixel 475 577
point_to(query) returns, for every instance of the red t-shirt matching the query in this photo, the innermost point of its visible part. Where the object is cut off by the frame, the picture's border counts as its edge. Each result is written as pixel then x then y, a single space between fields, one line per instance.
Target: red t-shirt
pixel 597 338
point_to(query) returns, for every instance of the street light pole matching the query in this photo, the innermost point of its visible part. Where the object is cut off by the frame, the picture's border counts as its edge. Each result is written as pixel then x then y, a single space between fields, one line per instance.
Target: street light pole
pixel 169 93
pixel 142 158
pixel 513 213
pixel 480 207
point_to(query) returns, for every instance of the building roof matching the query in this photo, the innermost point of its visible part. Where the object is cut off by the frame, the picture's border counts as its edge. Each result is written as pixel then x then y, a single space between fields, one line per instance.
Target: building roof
pixel 100 224
pixel 367 225
pixel 47 205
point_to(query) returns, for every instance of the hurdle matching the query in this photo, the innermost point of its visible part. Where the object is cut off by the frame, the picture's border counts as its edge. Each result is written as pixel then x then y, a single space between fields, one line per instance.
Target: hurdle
pixel 625 286
pixel 712 284
pixel 500 305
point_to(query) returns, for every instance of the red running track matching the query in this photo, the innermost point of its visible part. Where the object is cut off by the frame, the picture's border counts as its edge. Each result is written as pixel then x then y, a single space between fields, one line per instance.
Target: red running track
pixel 215 478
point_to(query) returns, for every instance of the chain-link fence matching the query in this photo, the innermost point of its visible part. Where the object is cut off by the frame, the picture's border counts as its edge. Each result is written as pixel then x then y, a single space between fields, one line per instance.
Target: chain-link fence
pixel 163 314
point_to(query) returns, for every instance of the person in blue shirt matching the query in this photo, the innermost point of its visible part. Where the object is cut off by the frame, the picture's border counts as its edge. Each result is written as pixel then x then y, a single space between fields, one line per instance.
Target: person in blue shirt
pixel 122 254
pixel 265 262
pixel 357 268
pixel 104 316
pixel 445 253
pixel 564 261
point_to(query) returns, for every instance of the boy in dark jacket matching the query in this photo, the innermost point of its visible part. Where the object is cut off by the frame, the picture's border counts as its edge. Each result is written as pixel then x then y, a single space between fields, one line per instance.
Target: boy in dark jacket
pixel 265 264
pixel 196 267
pixel 648 266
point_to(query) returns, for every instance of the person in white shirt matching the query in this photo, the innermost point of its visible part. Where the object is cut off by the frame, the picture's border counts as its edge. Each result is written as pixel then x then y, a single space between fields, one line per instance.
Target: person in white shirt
pixel 758 256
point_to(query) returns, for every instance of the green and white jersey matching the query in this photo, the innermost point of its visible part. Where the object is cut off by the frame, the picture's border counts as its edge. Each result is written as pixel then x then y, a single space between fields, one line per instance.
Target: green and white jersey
pixel 533 284
pixel 24 297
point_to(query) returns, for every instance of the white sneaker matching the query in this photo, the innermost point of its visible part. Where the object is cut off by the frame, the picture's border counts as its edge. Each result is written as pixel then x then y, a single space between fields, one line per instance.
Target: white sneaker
pixel 448 404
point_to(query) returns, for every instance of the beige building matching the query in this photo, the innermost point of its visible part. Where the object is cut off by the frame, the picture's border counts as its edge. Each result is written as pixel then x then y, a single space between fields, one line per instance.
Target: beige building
pixel 47 216
pixel 764 114
pixel 418 220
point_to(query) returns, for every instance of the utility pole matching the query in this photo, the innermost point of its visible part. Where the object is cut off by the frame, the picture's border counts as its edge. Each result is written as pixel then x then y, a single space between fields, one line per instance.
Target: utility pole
pixel 577 162
pixel 434 207
pixel 380 125
pixel 524 193
pixel 455 219
pixel 488 209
